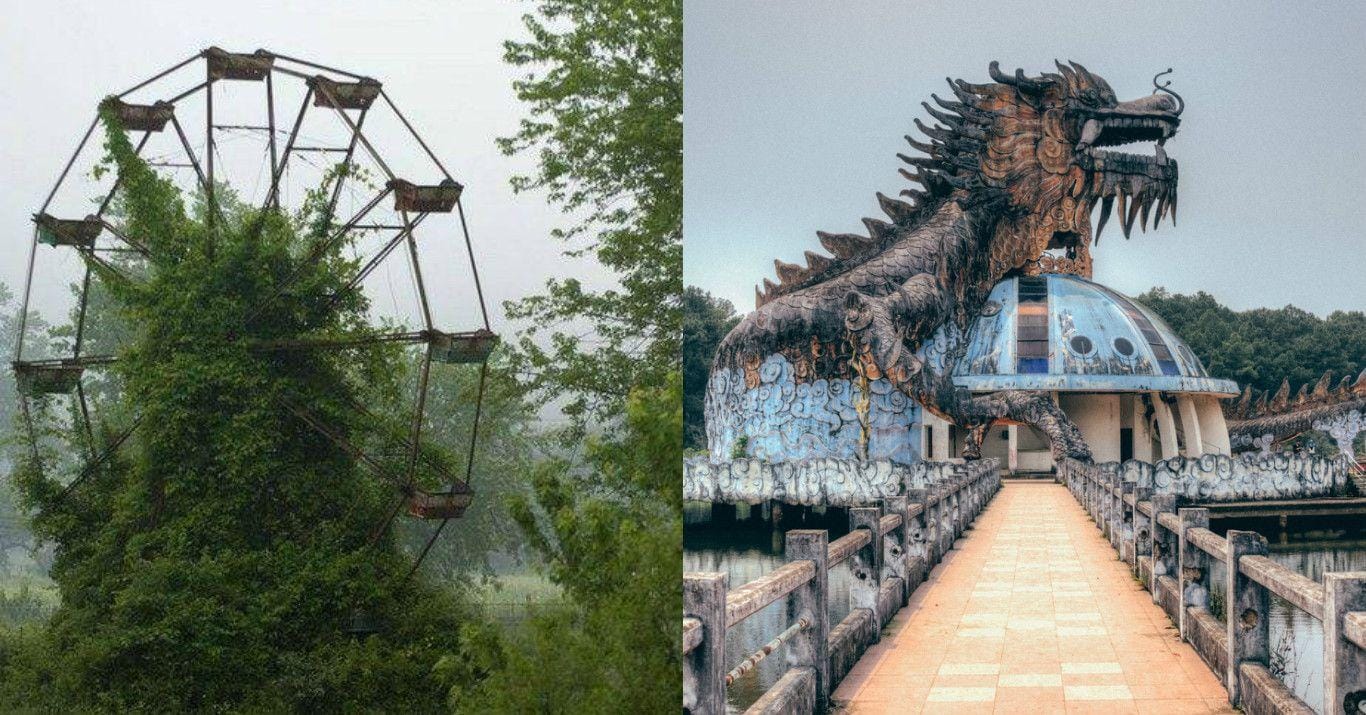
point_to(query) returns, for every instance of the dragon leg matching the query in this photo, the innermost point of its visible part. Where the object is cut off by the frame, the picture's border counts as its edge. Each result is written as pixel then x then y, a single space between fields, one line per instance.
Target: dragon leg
pixel 887 330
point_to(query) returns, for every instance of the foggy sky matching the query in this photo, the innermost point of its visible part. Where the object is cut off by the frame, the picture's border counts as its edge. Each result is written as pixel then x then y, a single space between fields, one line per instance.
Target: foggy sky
pixel 440 62
pixel 795 111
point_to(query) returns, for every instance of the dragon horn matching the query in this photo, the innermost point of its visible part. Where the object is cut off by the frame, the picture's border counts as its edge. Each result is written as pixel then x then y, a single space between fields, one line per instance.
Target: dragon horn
pixel 1180 103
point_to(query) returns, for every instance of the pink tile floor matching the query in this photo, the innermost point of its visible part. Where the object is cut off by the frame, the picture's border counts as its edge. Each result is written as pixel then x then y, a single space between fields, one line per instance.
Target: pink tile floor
pixel 1031 613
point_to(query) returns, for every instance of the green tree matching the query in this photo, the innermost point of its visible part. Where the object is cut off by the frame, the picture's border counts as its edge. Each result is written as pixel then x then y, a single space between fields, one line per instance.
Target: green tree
pixel 604 86
pixel 706 320
pixel 214 563
pixel 605 94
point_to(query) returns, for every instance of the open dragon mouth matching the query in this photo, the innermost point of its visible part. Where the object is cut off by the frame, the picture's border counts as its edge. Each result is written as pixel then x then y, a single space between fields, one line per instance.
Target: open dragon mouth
pixel 1140 183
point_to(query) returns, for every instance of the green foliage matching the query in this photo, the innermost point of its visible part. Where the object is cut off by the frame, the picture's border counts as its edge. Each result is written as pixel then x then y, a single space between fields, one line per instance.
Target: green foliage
pixel 706 320
pixel 1263 346
pixel 616 553
pixel 214 563
pixel 503 457
pixel 605 92
pixel 605 95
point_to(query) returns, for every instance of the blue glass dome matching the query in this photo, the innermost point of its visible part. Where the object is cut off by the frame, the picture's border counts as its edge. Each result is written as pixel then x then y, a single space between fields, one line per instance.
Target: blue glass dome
pixel 1065 333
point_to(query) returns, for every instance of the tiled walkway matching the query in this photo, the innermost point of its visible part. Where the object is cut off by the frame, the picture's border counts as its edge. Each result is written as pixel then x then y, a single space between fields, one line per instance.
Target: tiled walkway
pixel 1031 613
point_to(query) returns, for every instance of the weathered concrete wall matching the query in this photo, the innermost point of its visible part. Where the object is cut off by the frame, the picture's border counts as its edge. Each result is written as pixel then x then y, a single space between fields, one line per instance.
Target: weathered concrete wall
pixel 1241 477
pixel 783 418
pixel 1097 416
pixel 815 482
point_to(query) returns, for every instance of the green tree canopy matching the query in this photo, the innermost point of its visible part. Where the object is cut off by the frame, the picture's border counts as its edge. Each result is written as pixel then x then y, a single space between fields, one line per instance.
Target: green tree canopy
pixel 706 320
pixel 604 90
pixel 604 87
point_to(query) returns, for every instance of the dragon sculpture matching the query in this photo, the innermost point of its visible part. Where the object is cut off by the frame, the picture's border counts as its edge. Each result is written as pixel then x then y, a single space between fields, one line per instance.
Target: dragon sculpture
pixel 1011 171
pixel 1260 419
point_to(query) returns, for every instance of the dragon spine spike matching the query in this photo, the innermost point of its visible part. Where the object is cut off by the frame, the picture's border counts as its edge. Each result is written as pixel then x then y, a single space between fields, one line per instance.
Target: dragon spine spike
pixel 788 273
pixel 1321 388
pixel 816 263
pixel 1282 396
pixel 844 245
pixel 897 211
pixel 1360 384
pixel 879 231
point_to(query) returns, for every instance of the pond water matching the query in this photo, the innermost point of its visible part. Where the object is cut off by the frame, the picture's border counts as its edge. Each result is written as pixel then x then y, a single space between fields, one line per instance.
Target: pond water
pixel 1296 637
pixel 749 548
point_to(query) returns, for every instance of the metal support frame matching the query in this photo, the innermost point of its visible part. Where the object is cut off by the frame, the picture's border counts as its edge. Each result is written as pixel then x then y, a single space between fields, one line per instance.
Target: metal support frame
pixel 205 172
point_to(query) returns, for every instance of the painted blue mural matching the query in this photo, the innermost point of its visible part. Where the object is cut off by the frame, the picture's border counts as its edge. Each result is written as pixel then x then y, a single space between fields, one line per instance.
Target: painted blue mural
pixel 781 420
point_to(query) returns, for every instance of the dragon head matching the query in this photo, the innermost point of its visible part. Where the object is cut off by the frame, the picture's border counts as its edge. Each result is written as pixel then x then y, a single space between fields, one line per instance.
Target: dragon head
pixel 1043 146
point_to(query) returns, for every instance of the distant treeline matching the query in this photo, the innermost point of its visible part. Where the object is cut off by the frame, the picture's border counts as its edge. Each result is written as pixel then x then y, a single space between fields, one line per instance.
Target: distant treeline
pixel 1259 347
pixel 1262 346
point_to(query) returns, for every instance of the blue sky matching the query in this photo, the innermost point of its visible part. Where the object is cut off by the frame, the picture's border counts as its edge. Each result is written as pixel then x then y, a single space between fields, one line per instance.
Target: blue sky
pixel 794 112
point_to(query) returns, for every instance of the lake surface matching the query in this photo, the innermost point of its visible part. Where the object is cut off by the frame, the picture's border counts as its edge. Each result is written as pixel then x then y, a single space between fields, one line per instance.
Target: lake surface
pixel 747 549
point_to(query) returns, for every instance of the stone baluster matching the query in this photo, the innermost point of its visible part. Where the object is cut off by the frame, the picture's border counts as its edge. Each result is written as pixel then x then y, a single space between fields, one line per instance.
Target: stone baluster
pixel 810 648
pixel 1246 603
pixel 704 668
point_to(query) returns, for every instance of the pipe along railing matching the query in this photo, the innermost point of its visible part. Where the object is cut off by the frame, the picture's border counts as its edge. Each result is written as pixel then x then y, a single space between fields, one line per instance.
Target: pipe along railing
pixel 1171 550
pixel 891 549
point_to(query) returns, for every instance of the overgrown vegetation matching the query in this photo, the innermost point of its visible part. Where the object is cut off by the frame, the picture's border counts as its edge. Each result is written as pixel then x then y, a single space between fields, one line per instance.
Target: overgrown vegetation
pixel 216 560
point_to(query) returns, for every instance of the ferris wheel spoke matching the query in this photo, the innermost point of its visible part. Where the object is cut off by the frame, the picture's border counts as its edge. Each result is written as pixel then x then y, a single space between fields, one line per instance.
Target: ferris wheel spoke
pixel 104 456
pixel 277 170
pixel 346 162
pixel 355 129
pixel 376 259
pixel 159 75
pixel 416 136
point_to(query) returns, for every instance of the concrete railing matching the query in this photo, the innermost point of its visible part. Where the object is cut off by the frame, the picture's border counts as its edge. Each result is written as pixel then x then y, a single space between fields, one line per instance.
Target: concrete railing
pixel 891 548
pixel 1171 550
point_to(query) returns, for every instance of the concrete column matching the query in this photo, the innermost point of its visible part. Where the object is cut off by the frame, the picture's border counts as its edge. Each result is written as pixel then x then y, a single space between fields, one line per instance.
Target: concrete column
pixel 866 565
pixel 1245 610
pixel 1164 542
pixel 1012 448
pixel 942 448
pixel 1166 427
pixel 809 648
pixel 1192 569
pixel 1344 664
pixel 1212 426
pixel 920 538
pixel 704 669
pixel 894 546
pixel 1143 533
pixel 1143 434
pixel 1190 424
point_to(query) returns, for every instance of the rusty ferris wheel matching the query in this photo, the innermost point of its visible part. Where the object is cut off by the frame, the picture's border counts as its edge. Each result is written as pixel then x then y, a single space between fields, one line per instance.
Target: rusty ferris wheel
pixel 232 99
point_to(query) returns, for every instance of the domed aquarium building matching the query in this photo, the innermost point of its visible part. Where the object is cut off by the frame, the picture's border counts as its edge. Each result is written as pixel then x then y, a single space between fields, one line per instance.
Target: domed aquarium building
pixel 1130 384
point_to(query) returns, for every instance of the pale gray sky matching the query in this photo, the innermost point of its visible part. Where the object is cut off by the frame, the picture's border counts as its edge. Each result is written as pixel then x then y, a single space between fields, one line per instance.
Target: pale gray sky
pixel 795 111
pixel 440 62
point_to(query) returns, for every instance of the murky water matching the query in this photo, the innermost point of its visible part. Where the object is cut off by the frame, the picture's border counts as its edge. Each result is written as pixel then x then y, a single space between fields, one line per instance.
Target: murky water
pixel 747 549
